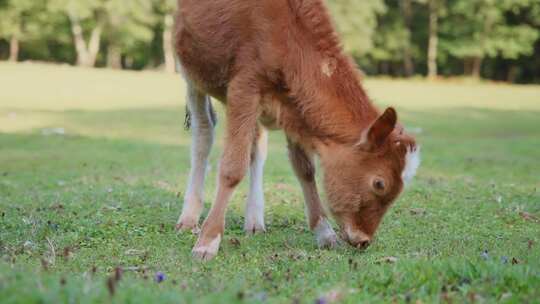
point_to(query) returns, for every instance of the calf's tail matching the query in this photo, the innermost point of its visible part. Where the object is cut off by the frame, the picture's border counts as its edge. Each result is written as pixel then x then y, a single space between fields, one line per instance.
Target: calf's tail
pixel 187 119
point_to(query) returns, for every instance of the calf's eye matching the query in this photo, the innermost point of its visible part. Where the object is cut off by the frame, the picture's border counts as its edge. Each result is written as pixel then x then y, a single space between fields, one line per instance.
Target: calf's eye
pixel 378 184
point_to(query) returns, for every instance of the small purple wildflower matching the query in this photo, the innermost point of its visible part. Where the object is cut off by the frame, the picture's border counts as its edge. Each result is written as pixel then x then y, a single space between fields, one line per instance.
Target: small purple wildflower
pixel 160 277
pixel 321 300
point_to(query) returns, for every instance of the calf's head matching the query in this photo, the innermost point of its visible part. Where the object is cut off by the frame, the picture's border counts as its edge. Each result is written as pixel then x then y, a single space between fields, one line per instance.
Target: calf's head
pixel 363 180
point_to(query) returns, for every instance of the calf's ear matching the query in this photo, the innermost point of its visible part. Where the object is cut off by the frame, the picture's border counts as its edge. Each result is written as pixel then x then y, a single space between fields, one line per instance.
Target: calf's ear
pixel 379 130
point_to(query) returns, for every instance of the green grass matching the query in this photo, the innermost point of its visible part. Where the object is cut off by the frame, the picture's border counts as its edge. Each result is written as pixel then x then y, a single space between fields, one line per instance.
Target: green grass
pixel 109 191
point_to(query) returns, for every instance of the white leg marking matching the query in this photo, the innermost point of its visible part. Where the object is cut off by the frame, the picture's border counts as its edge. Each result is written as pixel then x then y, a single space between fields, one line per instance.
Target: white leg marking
pixel 203 137
pixel 207 252
pixel 326 237
pixel 254 220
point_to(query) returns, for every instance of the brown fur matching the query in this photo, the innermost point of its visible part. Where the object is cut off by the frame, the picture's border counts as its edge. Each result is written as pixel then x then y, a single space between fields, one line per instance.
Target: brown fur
pixel 280 62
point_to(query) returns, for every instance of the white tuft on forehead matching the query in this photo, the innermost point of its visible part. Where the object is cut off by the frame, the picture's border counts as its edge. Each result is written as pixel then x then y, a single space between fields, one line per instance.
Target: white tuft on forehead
pixel 412 162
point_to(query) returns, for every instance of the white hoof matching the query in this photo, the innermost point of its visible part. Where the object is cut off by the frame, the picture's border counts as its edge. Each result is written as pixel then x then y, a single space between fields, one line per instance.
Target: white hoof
pixel 206 252
pixel 188 224
pixel 252 228
pixel 325 235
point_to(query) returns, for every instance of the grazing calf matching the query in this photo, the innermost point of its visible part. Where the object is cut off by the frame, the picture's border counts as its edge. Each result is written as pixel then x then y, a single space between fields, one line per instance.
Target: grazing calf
pixel 278 64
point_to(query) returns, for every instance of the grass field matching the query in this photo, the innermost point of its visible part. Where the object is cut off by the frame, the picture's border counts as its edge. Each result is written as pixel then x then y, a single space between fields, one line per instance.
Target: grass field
pixel 93 164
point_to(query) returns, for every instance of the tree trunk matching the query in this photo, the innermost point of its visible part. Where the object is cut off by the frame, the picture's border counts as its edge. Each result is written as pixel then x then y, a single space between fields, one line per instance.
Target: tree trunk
pixel 384 68
pixel 14 49
pixel 86 53
pixel 114 57
pixel 513 73
pixel 408 63
pixel 94 44
pixel 80 43
pixel 476 68
pixel 476 61
pixel 466 66
pixel 168 48
pixel 433 39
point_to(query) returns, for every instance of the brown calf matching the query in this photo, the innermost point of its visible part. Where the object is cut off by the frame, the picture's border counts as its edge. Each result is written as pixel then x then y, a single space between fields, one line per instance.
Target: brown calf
pixel 278 64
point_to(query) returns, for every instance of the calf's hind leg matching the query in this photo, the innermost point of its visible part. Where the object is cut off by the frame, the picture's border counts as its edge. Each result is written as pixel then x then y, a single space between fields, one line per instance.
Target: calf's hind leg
pixel 254 219
pixel 202 124
pixel 304 168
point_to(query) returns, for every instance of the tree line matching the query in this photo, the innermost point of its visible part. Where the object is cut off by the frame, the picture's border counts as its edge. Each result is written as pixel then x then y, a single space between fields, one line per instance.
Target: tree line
pixel 492 39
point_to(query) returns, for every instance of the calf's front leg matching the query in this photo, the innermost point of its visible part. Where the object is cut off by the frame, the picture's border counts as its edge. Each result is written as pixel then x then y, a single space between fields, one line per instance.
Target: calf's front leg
pixel 242 111
pixel 304 168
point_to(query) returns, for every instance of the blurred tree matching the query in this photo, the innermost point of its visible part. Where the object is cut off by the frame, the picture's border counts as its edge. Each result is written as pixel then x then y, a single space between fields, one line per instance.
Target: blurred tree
pixel 120 25
pixel 436 10
pixel 165 10
pixel 84 16
pixel 127 23
pixel 527 67
pixel 406 8
pixel 475 30
pixel 393 50
pixel 357 21
pixel 19 21
pixel 436 7
pixel 496 38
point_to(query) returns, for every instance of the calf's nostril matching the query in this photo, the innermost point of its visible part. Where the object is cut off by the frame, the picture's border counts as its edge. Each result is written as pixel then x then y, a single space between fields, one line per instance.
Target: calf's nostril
pixel 363 244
